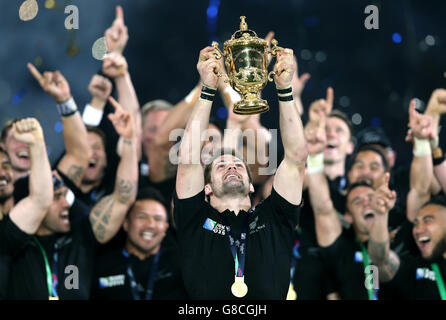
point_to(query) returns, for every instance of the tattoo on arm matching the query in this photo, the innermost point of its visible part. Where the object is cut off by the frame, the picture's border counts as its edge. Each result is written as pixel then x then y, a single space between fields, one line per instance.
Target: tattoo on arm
pixel 100 217
pixel 125 190
pixel 74 173
pixel 127 141
pixel 378 250
pixel 389 268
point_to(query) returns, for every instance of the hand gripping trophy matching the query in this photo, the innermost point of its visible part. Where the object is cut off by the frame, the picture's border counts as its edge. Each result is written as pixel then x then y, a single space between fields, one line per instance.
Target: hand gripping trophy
pixel 246 60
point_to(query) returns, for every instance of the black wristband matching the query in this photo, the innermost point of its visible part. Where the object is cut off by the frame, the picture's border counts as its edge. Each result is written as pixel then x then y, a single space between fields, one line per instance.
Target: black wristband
pixel 286 98
pixel 206 96
pixel 285 91
pixel 437 156
pixel 208 90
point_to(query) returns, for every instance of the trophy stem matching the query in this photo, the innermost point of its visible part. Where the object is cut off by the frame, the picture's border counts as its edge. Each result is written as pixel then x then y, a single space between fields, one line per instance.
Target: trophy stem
pixel 251 103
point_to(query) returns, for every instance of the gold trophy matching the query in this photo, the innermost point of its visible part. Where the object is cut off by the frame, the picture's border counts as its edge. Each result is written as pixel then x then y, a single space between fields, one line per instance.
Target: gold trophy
pixel 246 60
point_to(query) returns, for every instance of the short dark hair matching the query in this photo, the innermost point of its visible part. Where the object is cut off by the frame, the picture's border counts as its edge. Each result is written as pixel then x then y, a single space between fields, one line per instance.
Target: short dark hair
pixel 221 152
pixel 99 132
pixel 357 185
pixel 341 115
pixel 375 148
pixel 150 193
pixel 7 127
pixel 439 200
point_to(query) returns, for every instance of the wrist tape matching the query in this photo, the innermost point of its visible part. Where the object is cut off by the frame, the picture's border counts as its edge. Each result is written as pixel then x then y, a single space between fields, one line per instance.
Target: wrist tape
pixel 315 163
pixel 422 148
pixel 285 94
pixel 67 108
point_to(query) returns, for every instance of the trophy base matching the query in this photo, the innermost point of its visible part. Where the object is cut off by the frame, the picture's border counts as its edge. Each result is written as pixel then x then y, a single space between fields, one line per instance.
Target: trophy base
pixel 253 106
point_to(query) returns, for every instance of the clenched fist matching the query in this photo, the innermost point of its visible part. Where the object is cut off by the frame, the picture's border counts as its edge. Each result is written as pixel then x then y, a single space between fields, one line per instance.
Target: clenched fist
pixel 208 67
pixel 284 68
pixel 100 87
pixel 115 65
pixel 28 131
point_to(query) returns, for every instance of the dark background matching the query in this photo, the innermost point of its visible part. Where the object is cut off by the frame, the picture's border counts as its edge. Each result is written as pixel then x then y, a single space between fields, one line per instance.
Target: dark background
pixel 373 74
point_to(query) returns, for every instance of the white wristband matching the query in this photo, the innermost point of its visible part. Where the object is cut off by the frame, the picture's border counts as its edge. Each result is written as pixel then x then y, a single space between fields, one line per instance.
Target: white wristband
pixel 67 108
pixel 315 163
pixel 92 116
pixel 235 97
pixel 422 148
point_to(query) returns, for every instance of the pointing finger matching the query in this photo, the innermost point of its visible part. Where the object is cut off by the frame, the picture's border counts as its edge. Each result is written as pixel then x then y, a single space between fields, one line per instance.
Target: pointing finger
pixel 36 74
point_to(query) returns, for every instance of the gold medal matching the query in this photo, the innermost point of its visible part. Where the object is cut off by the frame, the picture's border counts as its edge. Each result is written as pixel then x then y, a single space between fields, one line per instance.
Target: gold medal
pixel 291 295
pixel 239 288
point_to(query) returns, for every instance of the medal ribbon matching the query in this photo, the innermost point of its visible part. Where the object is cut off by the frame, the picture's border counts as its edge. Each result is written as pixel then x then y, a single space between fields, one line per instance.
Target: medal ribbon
pixel 238 255
pixel 439 279
pixel 366 262
pixel 150 281
pixel 51 278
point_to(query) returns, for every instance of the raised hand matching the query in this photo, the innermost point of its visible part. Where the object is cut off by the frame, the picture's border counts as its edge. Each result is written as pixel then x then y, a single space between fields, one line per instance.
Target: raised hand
pixel 122 120
pixel 100 87
pixel 383 199
pixel 117 36
pixel 208 67
pixel 298 83
pixel 114 65
pixel 28 131
pixel 437 103
pixel 53 83
pixel 315 135
pixel 284 68
pixel 421 125
pixel 322 105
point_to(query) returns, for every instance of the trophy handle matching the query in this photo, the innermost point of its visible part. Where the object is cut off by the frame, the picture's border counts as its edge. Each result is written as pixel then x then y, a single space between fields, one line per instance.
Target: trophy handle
pixel 275 48
pixel 271 75
pixel 218 53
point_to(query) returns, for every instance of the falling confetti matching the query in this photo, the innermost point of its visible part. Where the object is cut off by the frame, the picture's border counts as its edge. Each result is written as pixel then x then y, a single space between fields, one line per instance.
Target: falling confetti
pixel 49 4
pixel 28 10
pixel 99 49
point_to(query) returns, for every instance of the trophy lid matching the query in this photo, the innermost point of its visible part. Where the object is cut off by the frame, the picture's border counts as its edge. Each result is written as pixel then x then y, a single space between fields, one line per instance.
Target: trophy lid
pixel 243 30
pixel 244 36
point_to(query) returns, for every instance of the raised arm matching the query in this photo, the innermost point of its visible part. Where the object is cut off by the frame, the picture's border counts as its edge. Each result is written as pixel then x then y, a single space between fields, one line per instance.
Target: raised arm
pixel 115 66
pixel 421 170
pixel 440 173
pixel 328 225
pixel 108 215
pixel 100 89
pixel 75 160
pixel 190 179
pixel 28 213
pixel 289 177
pixel 387 261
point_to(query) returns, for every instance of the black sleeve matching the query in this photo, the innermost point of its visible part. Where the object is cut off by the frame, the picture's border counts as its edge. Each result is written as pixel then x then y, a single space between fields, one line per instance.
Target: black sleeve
pixel 287 212
pixel 402 286
pixel 186 210
pixel 337 249
pixel 12 239
pixel 83 231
